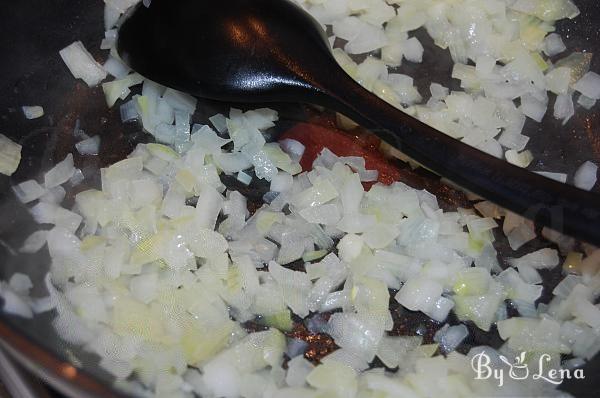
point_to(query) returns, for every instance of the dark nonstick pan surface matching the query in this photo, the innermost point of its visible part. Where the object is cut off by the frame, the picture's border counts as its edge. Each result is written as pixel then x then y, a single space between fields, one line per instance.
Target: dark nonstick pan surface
pixel 32 73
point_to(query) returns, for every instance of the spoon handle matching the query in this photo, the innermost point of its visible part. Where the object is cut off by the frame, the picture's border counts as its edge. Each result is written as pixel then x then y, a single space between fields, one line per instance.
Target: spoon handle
pixel 555 205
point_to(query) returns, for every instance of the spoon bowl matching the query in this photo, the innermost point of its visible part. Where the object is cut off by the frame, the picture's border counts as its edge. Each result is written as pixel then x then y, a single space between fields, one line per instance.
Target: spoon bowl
pixel 237 51
pixel 273 51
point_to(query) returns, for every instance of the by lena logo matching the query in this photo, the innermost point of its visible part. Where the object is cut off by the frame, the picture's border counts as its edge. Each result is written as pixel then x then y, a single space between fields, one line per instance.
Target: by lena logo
pixel 520 369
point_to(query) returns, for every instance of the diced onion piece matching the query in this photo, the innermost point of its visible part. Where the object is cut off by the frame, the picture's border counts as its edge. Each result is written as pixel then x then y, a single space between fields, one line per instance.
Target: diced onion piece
pixel 589 85
pixel 121 5
pixel 116 67
pixel 558 80
pixel 282 182
pixel 54 195
pixel 438 91
pixel 219 122
pixel 515 141
pixel 293 148
pixel 441 309
pixel 180 101
pixel 560 177
pixel 564 108
pixel 60 173
pixel 128 111
pixel 350 247
pixel 565 243
pixel 82 65
pixel 587 103
pixel 413 50
pixel 20 283
pixel 77 178
pixel 517 289
pixel 450 337
pixel 553 44
pixel 521 235
pixel 547 10
pixel 472 281
pixel 32 112
pixel 244 178
pixel 368 38
pixel 111 16
pixel 533 107
pixel 345 377
pixel 144 287
pixel 529 274
pixel 90 146
pixel 419 294
pixel 28 191
pixel 14 304
pixel 295 285
pixel 521 159
pixel 10 155
pixel 586 176
pixel 541 259
pixel 45 213
pixel 566 286
pixel 480 309
pixel 355 333
pixel 34 242
pixel 298 369
pixel 120 88
pixel 210 203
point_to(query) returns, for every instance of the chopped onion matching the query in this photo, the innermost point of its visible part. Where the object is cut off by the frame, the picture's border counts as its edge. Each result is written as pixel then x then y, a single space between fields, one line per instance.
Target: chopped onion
pixel 20 283
pixel 60 173
pixel 111 16
pixel 553 45
pixel 180 101
pixel 10 155
pixel 541 259
pixel 521 235
pixel 558 80
pixel 298 369
pixel 419 294
pixel 128 111
pixel 533 108
pixel 589 85
pixel 32 112
pixel 586 176
pixel 82 65
pixel 54 195
pixel 413 50
pixel 120 88
pixel 587 103
pixel 28 191
pixel 152 287
pixel 219 122
pixel 564 108
pixel 244 178
pixel 90 146
pixel 521 159
pixel 293 148
pixel 450 337
pixel 356 334
pixel 144 287
pixel 14 304
pixel 34 242
pixel 560 177
pixel 121 5
pixel 321 377
pixel 116 67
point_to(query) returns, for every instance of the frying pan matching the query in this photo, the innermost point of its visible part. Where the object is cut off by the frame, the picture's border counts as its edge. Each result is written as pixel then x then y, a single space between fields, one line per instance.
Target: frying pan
pixel 31 73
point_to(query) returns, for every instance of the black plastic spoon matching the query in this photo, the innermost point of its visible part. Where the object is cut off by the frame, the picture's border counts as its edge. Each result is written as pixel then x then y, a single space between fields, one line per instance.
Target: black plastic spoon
pixel 273 51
